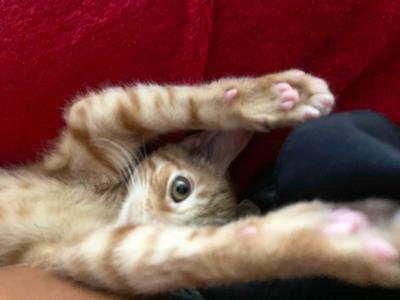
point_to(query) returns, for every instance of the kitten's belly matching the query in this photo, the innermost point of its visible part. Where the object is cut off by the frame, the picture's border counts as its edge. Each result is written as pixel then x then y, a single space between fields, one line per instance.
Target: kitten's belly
pixel 34 209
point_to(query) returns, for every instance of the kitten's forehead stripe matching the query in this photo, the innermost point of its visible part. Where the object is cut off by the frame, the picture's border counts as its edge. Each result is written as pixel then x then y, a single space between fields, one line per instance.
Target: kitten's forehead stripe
pixel 151 164
pixel 166 156
pixel 159 180
pixel 156 174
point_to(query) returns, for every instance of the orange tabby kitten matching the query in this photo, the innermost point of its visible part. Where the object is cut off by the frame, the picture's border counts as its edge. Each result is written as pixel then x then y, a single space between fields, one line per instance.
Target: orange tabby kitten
pixel 91 211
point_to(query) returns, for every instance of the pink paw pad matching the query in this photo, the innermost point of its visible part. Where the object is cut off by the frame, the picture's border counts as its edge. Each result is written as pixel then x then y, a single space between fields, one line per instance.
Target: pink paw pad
pixel 340 228
pixel 231 94
pixel 345 221
pixel 248 231
pixel 282 87
pixel 345 214
pixel 382 249
pixel 288 96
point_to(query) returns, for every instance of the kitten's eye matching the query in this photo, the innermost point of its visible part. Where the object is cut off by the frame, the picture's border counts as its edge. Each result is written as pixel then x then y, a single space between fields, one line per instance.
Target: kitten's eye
pixel 180 189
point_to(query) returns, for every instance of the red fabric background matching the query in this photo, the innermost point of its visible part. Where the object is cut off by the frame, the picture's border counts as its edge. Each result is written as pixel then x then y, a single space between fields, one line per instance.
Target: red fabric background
pixel 52 50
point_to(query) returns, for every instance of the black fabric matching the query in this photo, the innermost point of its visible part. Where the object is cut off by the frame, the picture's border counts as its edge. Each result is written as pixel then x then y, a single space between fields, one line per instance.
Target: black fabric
pixel 301 289
pixel 341 157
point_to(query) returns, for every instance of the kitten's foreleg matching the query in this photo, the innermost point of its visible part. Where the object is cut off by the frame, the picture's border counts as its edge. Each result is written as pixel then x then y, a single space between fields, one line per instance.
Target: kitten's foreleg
pixel 104 127
pixel 301 240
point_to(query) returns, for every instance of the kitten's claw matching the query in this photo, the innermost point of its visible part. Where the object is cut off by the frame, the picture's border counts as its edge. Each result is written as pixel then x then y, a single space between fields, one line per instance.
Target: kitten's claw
pixel 230 94
pixel 323 103
pixel 309 113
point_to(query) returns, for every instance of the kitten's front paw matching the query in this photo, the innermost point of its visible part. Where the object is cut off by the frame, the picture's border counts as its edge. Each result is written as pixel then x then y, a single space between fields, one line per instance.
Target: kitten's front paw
pixel 359 243
pixel 285 99
pixel 366 238
pixel 365 242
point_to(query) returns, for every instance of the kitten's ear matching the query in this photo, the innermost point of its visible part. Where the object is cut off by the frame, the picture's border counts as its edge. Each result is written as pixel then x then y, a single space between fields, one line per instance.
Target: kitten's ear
pixel 219 147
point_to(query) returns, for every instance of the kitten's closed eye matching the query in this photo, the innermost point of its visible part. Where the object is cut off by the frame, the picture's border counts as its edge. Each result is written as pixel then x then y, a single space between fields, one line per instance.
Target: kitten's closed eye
pixel 180 189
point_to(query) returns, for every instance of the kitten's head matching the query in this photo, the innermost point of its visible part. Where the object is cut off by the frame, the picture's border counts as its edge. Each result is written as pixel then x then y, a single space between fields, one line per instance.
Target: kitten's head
pixel 186 183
